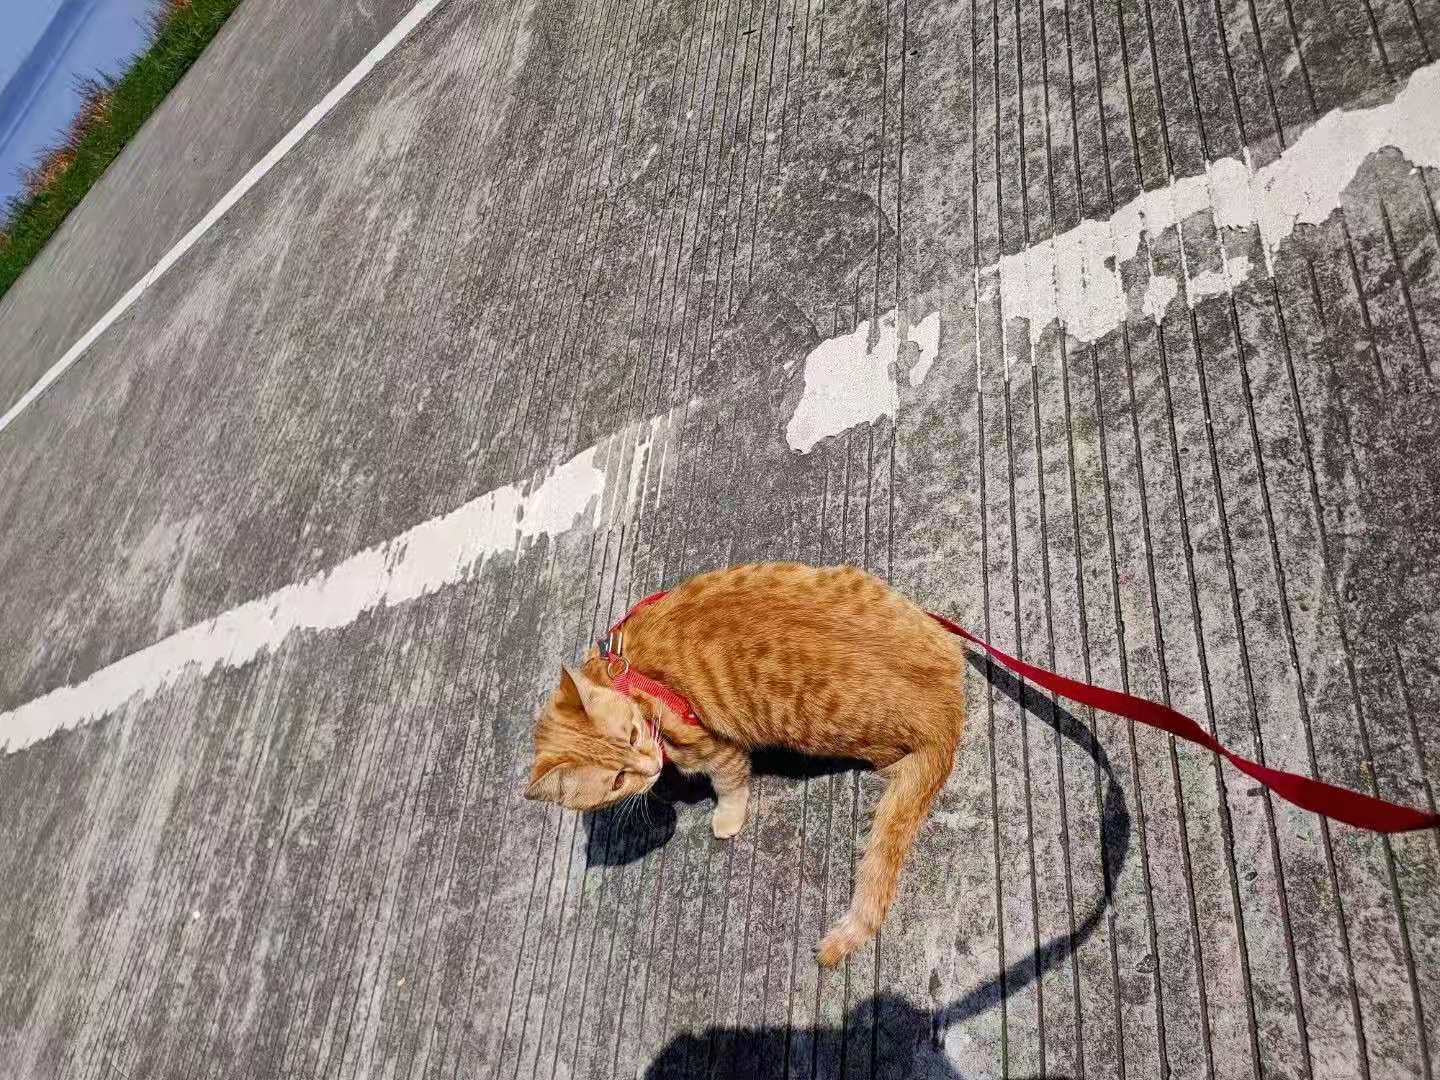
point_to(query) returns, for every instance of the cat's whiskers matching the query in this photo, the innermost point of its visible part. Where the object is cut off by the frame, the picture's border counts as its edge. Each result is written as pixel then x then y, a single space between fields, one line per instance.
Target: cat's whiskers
pixel 627 810
pixel 645 798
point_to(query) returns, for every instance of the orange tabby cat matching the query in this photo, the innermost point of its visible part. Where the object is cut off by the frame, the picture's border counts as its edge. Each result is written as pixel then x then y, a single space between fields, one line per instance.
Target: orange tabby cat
pixel 824 661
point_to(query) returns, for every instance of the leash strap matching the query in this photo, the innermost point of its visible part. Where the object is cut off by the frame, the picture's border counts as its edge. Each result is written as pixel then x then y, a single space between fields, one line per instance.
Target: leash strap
pixel 1342 804
pixel 652 598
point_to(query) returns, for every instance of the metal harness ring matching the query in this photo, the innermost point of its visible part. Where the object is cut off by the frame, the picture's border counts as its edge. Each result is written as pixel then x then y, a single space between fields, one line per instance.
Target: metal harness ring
pixel 610 670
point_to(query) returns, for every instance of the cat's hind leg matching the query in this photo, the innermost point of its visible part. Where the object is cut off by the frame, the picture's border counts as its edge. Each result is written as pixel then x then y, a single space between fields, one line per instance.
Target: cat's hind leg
pixel 914 780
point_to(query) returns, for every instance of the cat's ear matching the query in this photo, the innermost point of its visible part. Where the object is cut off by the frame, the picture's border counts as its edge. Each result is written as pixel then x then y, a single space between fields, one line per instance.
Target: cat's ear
pixel 584 687
pixel 569 690
pixel 545 779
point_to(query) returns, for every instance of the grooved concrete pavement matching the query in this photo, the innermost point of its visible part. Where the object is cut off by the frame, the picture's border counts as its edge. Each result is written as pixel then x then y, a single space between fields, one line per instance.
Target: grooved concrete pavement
pixel 607 240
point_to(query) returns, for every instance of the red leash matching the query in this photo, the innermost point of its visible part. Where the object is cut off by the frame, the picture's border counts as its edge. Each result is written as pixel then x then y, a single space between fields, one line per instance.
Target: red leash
pixel 1341 804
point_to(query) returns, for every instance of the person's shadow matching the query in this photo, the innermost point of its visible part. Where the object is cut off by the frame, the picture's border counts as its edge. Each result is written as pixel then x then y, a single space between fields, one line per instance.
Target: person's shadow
pixel 900 1038
pixel 888 1027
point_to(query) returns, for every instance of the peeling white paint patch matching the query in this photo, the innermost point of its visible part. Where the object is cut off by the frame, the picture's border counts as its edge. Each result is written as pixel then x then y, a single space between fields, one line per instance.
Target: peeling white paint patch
pixel 1304 184
pixel 640 456
pixel 420 561
pixel 926 335
pixel 851 379
pixel 1212 282
pixel 848 381
pixel 1225 190
pixel 1074 278
pixel 1158 294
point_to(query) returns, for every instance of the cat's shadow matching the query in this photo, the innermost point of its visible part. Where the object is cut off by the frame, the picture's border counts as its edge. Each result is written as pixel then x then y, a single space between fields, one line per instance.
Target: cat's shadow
pixel 620 834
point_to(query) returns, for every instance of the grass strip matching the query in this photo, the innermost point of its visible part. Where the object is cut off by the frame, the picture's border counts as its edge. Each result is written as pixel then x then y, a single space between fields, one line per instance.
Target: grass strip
pixel 114 109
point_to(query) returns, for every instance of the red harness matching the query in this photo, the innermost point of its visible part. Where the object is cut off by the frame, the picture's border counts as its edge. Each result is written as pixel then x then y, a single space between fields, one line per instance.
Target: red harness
pixel 1328 800
pixel 632 682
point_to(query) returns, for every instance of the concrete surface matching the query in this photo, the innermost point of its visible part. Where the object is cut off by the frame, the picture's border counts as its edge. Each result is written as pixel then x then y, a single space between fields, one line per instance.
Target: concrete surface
pixel 520 333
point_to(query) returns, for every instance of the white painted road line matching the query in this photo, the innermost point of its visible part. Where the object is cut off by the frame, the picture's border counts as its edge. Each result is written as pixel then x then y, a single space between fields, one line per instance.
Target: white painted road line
pixel 1075 278
pixel 422 560
pixel 416 15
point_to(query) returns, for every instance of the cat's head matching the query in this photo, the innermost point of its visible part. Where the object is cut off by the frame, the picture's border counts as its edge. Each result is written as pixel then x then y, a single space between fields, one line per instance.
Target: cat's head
pixel 593 746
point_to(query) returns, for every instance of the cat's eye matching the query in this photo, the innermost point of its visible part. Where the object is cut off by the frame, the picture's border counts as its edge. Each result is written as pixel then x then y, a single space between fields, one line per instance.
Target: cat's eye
pixel 634 734
pixel 619 781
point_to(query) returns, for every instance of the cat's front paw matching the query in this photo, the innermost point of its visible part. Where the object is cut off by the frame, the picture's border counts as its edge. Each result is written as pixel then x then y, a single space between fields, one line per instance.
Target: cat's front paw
pixel 726 821
pixel 847 935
